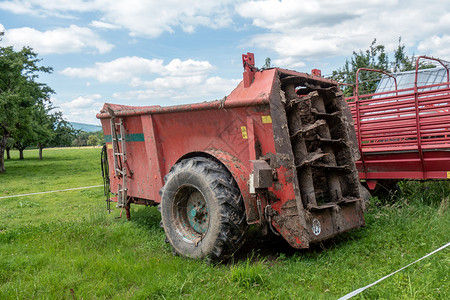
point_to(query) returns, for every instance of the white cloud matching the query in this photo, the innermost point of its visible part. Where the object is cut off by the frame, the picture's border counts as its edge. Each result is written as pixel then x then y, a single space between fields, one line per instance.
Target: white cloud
pixel 61 40
pixel 189 89
pixel 166 16
pixel 48 8
pixel 147 94
pixel 221 85
pixel 173 82
pixel 129 68
pixel 294 29
pixel 288 62
pixel 188 67
pixel 299 30
pixel 436 46
pixel 17 7
pixel 81 109
pixel 104 25
pixel 140 18
pixel 82 102
pixel 120 69
pixel 152 79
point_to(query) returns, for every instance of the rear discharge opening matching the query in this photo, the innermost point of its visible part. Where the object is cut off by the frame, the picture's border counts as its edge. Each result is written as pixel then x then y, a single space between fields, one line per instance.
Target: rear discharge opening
pixel 319 139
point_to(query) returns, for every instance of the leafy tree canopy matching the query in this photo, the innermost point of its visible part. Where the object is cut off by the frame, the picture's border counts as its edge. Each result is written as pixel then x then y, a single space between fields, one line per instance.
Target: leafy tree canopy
pixel 373 58
pixel 20 96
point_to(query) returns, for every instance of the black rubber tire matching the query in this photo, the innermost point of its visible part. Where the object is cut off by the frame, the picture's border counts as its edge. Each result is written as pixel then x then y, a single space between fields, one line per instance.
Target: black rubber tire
pixel 220 230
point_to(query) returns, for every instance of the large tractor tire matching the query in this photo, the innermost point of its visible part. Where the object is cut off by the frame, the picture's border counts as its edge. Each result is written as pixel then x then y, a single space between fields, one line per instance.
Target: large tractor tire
pixel 202 210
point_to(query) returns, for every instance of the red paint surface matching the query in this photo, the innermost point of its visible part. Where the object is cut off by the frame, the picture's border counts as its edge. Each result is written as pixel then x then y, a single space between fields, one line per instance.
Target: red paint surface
pixel 171 133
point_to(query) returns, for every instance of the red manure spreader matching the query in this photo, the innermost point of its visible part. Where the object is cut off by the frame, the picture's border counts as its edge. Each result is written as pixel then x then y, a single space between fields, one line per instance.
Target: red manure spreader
pixel 279 151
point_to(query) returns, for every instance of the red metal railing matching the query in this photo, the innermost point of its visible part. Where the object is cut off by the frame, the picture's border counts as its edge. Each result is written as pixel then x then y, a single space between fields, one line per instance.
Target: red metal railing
pixel 412 120
pixel 417 102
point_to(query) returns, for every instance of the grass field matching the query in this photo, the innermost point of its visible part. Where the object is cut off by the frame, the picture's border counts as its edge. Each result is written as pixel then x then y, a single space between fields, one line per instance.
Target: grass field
pixel 66 246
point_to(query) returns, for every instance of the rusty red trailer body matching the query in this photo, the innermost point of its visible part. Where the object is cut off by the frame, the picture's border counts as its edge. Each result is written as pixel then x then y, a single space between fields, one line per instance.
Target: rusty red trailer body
pixel 296 174
pixel 403 133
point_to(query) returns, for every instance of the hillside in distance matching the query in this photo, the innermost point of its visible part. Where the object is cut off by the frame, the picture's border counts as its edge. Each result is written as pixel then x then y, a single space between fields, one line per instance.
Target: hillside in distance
pixel 85 127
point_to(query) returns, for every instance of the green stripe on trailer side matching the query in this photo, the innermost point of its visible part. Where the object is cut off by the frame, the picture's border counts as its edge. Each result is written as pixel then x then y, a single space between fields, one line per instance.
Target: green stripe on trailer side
pixel 131 137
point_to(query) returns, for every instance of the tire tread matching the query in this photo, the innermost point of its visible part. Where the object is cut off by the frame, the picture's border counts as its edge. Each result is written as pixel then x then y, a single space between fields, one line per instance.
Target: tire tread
pixel 229 199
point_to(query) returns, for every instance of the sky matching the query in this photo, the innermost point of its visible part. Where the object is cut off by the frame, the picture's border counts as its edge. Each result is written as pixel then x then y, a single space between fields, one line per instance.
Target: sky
pixel 148 52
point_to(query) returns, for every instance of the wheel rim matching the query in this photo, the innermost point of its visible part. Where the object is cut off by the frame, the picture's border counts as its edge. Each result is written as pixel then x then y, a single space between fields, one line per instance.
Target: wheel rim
pixel 191 213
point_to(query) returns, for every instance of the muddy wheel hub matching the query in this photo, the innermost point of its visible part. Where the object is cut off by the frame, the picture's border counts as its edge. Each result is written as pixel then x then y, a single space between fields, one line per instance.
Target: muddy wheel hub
pixel 197 212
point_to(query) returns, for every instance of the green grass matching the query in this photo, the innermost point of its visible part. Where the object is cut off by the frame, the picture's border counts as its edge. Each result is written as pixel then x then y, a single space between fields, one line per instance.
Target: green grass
pixel 65 245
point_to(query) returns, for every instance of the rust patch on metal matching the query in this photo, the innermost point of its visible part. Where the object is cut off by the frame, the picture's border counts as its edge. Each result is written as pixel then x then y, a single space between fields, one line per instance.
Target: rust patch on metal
pixel 288 224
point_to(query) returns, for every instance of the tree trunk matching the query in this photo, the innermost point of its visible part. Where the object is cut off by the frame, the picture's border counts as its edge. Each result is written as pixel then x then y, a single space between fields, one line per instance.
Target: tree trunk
pixel 20 154
pixel 7 153
pixel 3 140
pixel 40 150
pixel 2 160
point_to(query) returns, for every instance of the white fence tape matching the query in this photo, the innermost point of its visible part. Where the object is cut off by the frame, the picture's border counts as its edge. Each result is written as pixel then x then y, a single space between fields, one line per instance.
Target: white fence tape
pixel 360 290
pixel 72 189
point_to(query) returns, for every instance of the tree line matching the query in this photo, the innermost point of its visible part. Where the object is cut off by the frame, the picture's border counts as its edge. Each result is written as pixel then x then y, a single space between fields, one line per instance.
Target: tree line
pixel 64 136
pixel 27 116
pixel 375 57
pixel 83 138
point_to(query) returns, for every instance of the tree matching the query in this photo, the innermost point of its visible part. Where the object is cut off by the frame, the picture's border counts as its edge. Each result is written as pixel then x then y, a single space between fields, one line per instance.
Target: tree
pixel 373 58
pixel 100 136
pixel 19 93
pixel 267 63
pixel 401 61
pixel 81 139
pixel 45 123
pixel 92 140
pixel 24 135
pixel 51 129
pixel 9 145
pixel 64 133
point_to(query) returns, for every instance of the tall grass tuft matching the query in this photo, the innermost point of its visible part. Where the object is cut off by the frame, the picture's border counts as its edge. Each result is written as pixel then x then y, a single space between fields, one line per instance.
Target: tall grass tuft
pixel 425 192
pixel 249 274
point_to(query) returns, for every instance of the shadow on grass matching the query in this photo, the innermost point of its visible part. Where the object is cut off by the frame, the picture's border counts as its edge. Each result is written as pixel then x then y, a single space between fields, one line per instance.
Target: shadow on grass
pixel 146 216
pixel 257 247
pixel 271 248
pixel 49 158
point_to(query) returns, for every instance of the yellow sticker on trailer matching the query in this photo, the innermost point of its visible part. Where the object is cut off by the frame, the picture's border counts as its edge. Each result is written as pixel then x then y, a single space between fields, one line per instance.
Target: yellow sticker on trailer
pixel 266 119
pixel 448 174
pixel 244 132
pixel 109 146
